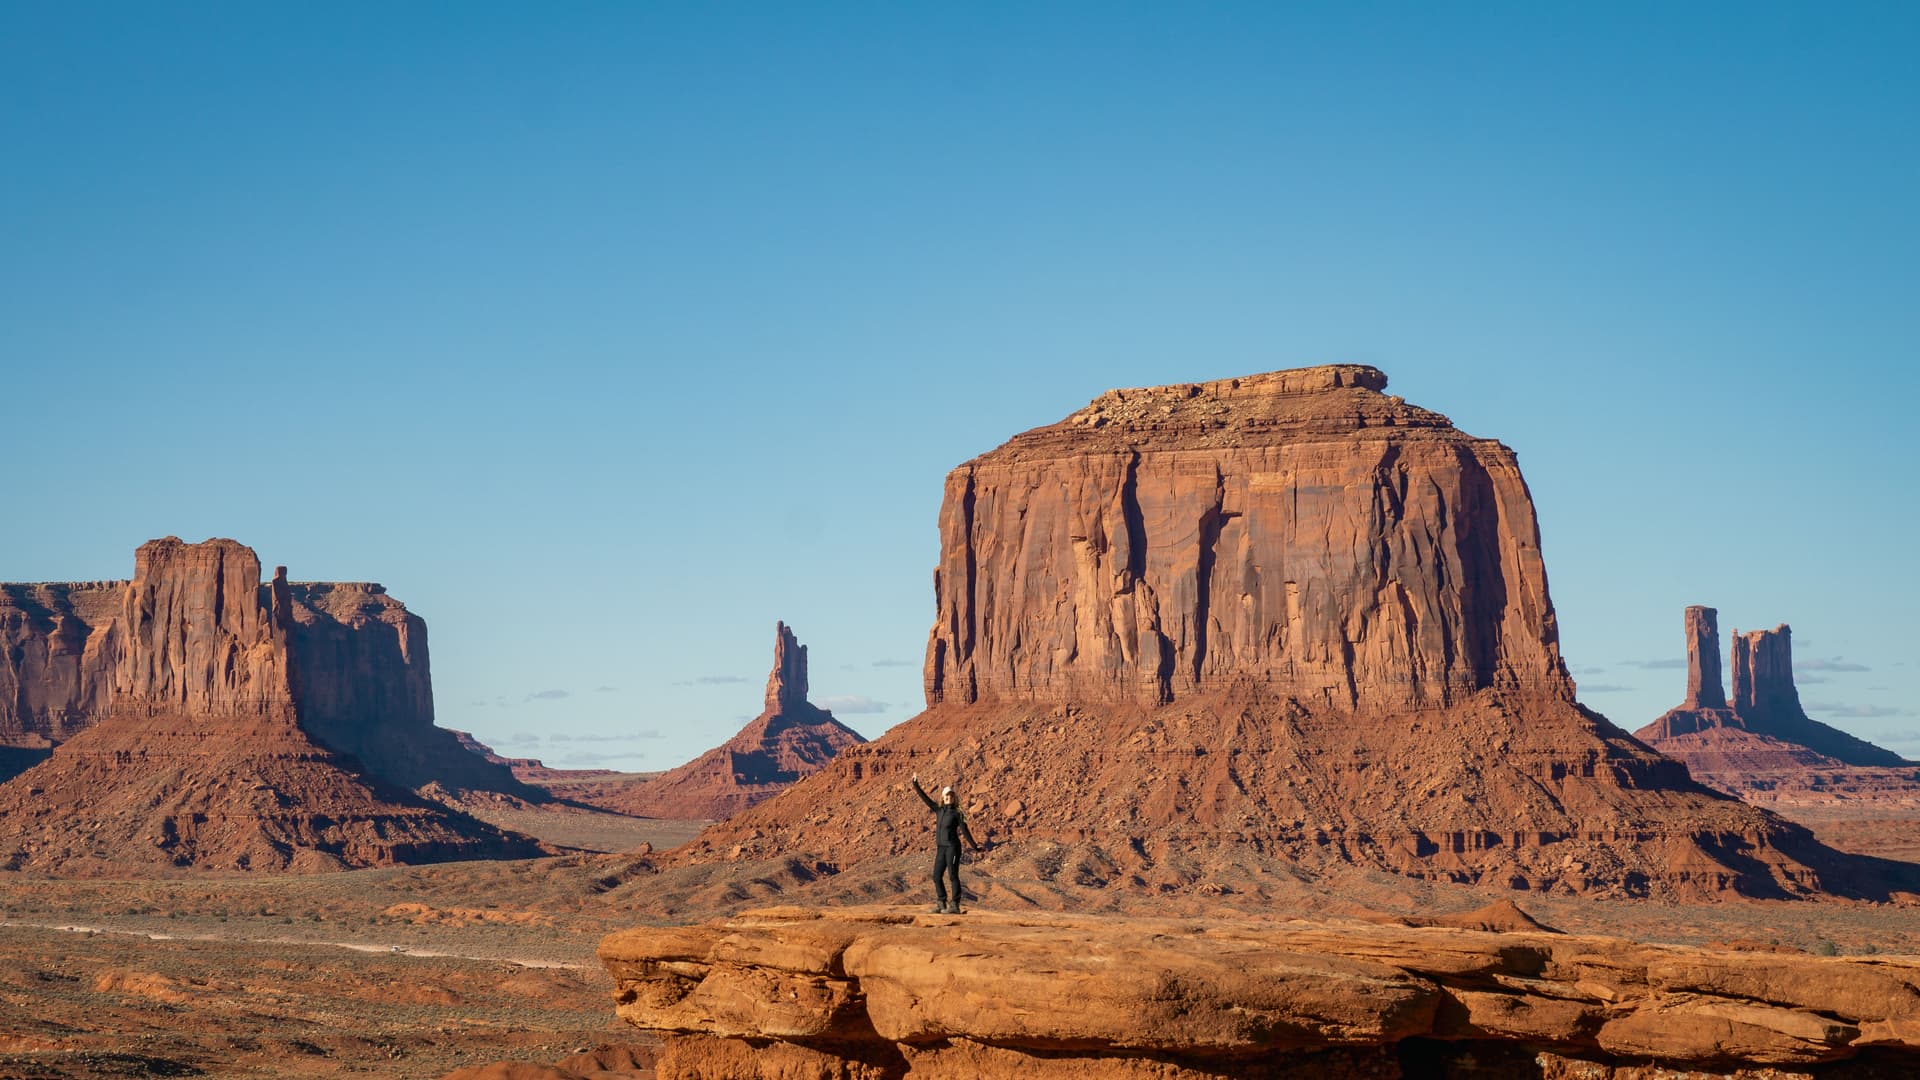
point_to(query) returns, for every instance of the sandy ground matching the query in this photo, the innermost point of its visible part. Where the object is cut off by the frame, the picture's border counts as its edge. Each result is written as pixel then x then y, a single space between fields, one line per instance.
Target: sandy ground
pixel 411 972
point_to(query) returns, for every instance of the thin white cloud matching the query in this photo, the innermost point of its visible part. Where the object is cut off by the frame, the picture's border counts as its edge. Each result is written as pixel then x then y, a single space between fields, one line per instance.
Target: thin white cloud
pixel 1605 688
pixel 1859 711
pixel 894 663
pixel 712 680
pixel 852 703
pixel 1668 662
pixel 1834 663
pixel 549 695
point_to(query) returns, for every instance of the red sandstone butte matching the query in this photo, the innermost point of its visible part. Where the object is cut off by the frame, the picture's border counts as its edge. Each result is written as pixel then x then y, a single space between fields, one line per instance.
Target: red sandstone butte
pixel 219 722
pixel 1762 742
pixel 790 739
pixel 1287 620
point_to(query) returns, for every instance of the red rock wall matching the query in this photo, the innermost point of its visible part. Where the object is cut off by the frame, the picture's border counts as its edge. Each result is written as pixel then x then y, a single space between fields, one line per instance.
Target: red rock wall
pixel 59 646
pixel 200 639
pixel 197 633
pixel 1300 530
pixel 1763 671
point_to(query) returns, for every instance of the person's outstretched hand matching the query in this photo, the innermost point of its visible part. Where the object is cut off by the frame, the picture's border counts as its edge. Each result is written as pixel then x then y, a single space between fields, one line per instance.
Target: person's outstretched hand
pixel 915 778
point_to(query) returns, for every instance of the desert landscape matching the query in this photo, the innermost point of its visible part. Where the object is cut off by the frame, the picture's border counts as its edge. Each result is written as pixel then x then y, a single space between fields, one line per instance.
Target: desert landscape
pixel 968 542
pixel 1252 691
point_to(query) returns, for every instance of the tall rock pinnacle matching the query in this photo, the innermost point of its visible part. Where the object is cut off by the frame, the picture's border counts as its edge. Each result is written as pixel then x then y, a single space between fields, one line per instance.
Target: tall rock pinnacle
pixel 1704 688
pixel 787 685
pixel 1763 671
pixel 790 740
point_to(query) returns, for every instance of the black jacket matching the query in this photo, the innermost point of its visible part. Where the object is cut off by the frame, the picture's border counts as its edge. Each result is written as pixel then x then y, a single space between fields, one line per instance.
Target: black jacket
pixel 949 824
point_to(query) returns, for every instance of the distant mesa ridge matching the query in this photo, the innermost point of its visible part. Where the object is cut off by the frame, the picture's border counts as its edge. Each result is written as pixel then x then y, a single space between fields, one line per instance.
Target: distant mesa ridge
pixel 791 739
pixel 1193 632
pixel 195 716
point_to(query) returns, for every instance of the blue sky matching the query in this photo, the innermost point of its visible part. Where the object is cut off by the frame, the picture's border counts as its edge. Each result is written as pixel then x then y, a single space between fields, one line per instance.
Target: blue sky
pixel 606 335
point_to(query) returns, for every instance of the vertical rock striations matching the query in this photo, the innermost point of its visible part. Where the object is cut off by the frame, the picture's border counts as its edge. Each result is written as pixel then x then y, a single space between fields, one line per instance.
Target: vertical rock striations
pixel 59 650
pixel 787 684
pixel 202 752
pixel 1194 635
pixel 1299 531
pixel 789 740
pixel 1705 690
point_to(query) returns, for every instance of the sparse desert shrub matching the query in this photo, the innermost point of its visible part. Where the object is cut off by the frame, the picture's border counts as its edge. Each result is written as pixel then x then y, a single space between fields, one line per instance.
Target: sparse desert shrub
pixel 1823 947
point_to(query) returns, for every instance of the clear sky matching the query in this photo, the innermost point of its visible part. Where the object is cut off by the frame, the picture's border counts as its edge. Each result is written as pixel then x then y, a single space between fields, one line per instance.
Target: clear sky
pixel 605 335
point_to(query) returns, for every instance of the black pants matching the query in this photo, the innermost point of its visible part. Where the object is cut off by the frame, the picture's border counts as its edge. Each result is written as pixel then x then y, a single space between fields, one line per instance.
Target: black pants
pixel 946 860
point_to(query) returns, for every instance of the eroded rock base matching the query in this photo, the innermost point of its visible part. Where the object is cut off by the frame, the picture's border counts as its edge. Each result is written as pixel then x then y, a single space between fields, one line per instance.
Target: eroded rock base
pixel 880 993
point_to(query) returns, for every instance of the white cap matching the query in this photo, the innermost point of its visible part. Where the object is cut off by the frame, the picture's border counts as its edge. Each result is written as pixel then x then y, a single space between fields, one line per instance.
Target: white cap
pixel 945 791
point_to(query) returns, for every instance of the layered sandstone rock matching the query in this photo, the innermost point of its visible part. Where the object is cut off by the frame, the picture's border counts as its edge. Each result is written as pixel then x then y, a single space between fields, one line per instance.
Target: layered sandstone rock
pixel 1195 631
pixel 1705 690
pixel 789 740
pixel 882 993
pixel 59 647
pixel 1298 531
pixel 355 659
pixel 201 752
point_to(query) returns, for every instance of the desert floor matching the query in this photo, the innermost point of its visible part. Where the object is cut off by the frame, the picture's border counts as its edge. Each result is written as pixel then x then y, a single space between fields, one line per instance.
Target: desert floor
pixel 411 972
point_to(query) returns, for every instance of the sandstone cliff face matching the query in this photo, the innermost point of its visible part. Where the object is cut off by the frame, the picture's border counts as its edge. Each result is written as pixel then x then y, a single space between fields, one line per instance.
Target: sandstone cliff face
pixel 1298 530
pixel 789 740
pixel 1194 630
pixel 1705 690
pixel 880 993
pixel 211 639
pixel 59 648
pixel 200 639
pixel 200 754
pixel 364 680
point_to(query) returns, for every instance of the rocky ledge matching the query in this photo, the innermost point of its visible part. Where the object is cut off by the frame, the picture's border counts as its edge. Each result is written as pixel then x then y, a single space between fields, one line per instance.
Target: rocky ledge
pixel 883 992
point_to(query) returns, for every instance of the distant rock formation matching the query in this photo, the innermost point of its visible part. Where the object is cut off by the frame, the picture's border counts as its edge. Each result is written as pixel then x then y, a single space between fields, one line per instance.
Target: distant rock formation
pixel 213 721
pixel 789 740
pixel 356 660
pixel 1280 617
pixel 1762 744
pixel 877 992
pixel 1765 725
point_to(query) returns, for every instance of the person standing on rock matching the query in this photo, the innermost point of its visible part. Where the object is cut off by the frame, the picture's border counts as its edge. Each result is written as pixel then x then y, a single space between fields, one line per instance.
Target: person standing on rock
pixel 948 827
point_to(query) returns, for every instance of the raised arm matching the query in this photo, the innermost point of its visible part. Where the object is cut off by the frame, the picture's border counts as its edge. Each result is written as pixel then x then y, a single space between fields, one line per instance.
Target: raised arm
pixel 924 797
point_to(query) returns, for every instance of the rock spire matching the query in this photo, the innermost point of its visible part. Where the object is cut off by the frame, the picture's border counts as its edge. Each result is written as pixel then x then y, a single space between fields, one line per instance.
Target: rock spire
pixel 787 685
pixel 1705 690
pixel 1762 736
pixel 791 739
